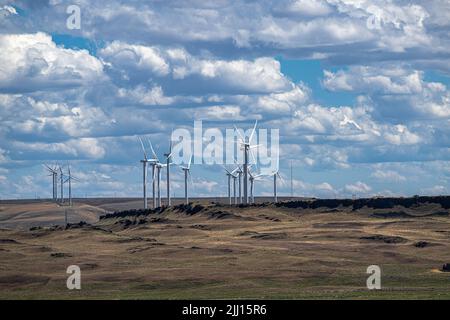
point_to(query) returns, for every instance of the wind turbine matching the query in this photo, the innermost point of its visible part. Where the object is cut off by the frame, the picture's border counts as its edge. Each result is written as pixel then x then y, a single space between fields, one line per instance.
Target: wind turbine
pixel 69 179
pixel 234 189
pixel 145 161
pixel 156 170
pixel 61 177
pixel 187 173
pixel 252 181
pixel 168 155
pixel 239 172
pixel 246 147
pixel 158 166
pixel 54 174
pixel 230 176
pixel 275 174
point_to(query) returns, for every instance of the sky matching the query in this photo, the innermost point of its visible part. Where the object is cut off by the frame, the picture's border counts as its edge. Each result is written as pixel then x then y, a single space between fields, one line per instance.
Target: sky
pixel 359 91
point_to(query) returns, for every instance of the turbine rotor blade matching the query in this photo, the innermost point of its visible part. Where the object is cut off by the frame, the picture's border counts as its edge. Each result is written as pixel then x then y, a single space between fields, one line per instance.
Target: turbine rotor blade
pixel 253 131
pixel 189 163
pixel 235 170
pixel 225 168
pixel 281 179
pixel 143 149
pixel 153 150
pixel 240 135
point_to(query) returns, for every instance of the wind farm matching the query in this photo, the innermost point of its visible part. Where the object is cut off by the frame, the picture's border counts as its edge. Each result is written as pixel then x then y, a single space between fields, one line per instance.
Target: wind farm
pixel 243 179
pixel 242 240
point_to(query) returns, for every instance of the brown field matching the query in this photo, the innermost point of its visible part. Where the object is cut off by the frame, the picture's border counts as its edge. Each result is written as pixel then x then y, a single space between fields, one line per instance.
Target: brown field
pixel 218 251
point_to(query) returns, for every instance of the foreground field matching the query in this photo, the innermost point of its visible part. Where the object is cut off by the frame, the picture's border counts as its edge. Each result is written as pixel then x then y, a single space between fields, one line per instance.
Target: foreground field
pixel 217 251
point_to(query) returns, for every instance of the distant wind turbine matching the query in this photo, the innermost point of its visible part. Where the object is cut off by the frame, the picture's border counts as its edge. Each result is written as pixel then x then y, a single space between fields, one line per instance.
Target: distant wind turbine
pixel 187 173
pixel 275 174
pixel 145 161
pixel 234 189
pixel 246 144
pixel 252 181
pixel 156 171
pixel 239 172
pixel 230 176
pixel 158 166
pixel 54 175
pixel 69 179
pixel 168 155
pixel 61 177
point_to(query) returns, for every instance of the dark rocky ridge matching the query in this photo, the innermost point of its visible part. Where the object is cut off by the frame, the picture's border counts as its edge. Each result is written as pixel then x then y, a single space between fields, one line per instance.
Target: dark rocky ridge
pixel 375 203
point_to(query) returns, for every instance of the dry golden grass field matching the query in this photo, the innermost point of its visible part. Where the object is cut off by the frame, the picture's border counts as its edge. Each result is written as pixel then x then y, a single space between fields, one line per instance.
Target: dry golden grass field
pixel 210 250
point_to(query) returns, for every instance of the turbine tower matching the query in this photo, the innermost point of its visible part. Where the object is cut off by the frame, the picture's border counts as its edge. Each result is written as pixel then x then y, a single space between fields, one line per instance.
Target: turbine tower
pixel 144 174
pixel 239 172
pixel 69 179
pixel 230 176
pixel 159 167
pixel 229 188
pixel 246 144
pixel 237 175
pixel 252 181
pixel 61 177
pixel 54 175
pixel 187 173
pixel 145 161
pixel 168 163
pixel 234 189
pixel 275 174
pixel 154 164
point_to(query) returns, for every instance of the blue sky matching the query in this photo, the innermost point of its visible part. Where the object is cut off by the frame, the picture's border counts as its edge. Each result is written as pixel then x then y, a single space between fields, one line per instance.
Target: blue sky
pixel 362 109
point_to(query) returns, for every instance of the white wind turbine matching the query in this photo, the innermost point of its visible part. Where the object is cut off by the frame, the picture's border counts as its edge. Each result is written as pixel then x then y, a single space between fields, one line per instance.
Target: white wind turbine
pixel 230 176
pixel 239 172
pixel 275 174
pixel 158 166
pixel 61 177
pixel 145 161
pixel 234 189
pixel 252 179
pixel 187 173
pixel 69 179
pixel 54 174
pixel 168 156
pixel 235 177
pixel 246 144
